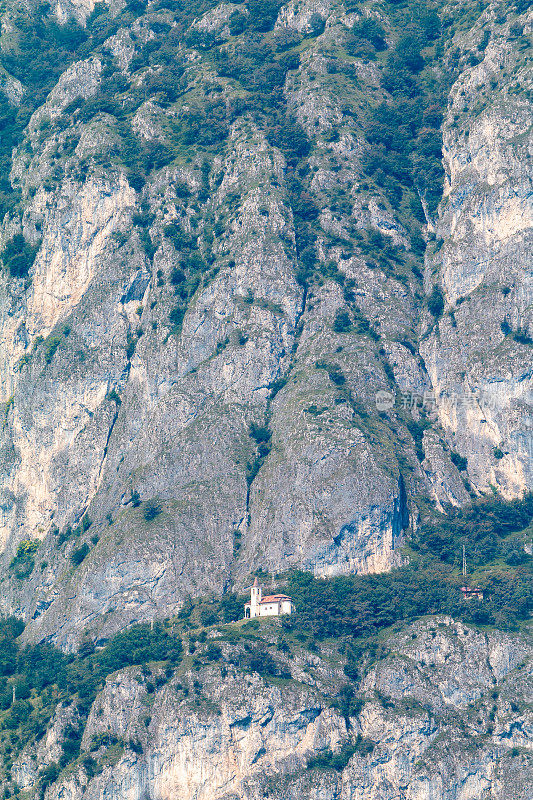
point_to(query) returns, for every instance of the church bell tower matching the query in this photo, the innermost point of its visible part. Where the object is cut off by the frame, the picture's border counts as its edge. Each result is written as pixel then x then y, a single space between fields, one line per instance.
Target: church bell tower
pixel 255 598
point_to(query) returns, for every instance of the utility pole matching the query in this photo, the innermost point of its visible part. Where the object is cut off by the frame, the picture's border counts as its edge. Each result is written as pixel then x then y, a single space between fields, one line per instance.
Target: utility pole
pixel 464 563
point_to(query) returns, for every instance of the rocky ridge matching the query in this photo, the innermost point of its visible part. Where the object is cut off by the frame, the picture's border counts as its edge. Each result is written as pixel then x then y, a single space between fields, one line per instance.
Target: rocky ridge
pixel 445 714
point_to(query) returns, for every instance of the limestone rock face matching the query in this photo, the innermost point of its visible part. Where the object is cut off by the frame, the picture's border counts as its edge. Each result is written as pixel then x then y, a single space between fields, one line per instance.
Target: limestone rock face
pixel 445 715
pixel 228 343
pixel 479 355
pixel 177 397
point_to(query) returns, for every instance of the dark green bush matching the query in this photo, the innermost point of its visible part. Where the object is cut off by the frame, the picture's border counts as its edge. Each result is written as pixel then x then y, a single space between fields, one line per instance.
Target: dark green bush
pixel 138 645
pixel 18 714
pixel 18 256
pixel 70 744
pixel 47 776
pixel 79 554
pixel 90 766
pixel 287 134
pixel 263 13
pixel 205 124
pixel 237 23
pixel 261 661
pixel 436 302
pixel 231 607
pixel 50 347
pixel 6 695
pixel 407 53
pixel 337 761
pixel 316 25
pixel 334 371
pixel 151 511
pixel 342 322
pixel 23 562
pixel 522 336
pixel 369 31
pixel 289 61
pixel 213 652
pixel 136 746
pixel 176 316
pixel 208 616
pixel 260 433
pixel 460 461
pixel 347 703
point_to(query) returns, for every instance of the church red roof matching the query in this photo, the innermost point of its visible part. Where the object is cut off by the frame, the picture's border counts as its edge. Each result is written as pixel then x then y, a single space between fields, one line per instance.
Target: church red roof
pixel 273 598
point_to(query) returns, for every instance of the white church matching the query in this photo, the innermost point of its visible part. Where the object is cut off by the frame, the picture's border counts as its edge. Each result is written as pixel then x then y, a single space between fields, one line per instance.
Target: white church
pixel 273 605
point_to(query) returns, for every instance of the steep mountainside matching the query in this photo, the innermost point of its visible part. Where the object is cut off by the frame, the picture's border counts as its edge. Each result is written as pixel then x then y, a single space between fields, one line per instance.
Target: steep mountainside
pixel 213 260
pixel 479 359
pixel 265 307
pixel 238 331
pixel 443 713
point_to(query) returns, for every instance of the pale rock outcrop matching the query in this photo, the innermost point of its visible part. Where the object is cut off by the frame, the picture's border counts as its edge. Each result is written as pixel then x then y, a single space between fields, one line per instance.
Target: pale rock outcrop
pixel 482 374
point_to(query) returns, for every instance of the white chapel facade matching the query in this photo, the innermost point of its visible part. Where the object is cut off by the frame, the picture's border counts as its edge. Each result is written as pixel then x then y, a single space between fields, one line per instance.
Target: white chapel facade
pixel 272 605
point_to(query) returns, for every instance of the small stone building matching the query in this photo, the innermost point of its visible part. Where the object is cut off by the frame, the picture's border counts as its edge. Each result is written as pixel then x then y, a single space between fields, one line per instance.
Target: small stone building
pixel 471 594
pixel 272 605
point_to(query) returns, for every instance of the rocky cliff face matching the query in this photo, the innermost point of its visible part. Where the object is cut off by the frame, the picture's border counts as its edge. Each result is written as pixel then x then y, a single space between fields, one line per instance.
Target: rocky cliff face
pixel 446 714
pixel 189 369
pixel 479 357
pixel 240 328
pixel 105 397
